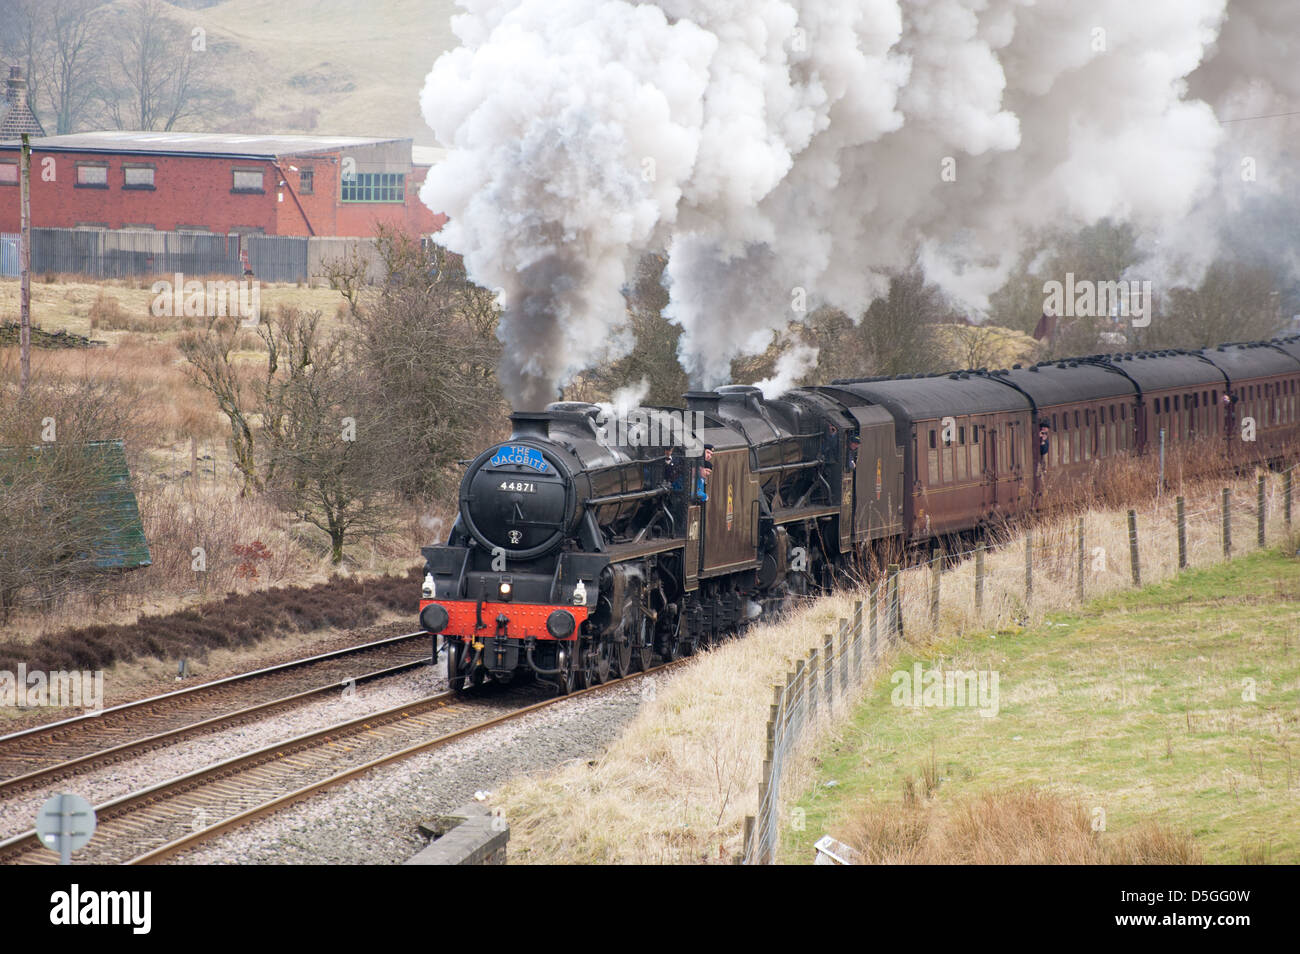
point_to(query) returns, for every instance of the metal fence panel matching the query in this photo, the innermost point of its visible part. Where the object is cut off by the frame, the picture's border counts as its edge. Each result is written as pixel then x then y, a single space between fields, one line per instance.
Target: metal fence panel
pixel 199 253
pixel 277 258
pixel 122 253
pixel 9 254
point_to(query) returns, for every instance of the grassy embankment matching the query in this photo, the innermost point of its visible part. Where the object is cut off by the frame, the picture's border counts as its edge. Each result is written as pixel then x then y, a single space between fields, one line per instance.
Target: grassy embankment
pixel 1167 716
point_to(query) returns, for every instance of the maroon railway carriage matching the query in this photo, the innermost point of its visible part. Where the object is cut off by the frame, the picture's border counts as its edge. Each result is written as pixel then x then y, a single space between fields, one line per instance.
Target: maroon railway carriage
pixel 1261 418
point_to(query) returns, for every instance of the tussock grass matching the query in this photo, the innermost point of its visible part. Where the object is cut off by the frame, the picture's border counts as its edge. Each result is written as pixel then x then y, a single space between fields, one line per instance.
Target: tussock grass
pixel 678 783
pixel 1025 826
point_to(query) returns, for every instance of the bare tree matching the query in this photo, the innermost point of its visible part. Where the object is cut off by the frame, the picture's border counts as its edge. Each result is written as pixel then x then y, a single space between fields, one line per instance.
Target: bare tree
pixel 1234 302
pixel 211 354
pixel 71 77
pixel 334 458
pixel 154 77
pixel 25 41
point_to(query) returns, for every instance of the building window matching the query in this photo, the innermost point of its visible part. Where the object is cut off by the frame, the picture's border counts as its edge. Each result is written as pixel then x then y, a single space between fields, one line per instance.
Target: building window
pixel 193 228
pixel 374 187
pixel 137 175
pixel 247 180
pixel 8 173
pixel 92 175
pixel 92 225
pixel 305 181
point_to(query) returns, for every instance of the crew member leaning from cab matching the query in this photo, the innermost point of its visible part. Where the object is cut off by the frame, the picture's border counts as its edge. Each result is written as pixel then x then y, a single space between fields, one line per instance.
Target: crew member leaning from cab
pixel 705 471
pixel 1044 441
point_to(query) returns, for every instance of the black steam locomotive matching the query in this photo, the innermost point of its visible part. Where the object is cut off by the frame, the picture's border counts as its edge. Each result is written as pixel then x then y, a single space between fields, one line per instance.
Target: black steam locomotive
pixel 589 544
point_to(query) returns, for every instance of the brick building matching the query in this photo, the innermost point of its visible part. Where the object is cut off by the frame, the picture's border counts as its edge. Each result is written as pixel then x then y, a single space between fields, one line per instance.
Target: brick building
pixel 219 183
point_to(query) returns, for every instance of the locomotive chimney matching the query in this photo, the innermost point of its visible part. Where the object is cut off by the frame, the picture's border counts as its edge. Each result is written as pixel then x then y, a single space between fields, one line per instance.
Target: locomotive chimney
pixel 704 401
pixel 530 424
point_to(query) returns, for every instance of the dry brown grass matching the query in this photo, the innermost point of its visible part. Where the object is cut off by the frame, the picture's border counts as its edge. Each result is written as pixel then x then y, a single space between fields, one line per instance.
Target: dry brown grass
pixel 1022 826
pixel 118 310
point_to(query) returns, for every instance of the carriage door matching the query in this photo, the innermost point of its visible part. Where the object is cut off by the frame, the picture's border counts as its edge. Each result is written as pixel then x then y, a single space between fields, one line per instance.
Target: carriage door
pixel 691 554
pixel 990 466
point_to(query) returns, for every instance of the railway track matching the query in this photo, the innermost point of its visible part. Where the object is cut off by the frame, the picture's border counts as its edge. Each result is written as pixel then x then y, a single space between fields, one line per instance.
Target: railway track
pixel 155 823
pixel 45 753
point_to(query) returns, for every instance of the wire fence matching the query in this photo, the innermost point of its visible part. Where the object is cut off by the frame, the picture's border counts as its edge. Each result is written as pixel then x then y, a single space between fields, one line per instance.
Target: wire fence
pixel 1054 565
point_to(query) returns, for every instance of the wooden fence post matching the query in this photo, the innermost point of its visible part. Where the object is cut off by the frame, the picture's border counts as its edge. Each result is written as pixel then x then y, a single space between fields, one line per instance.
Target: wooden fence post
pixel 858 640
pixel 874 624
pixel 1182 533
pixel 844 659
pixel 812 683
pixel 1227 523
pixel 895 604
pixel 979 578
pixel 1079 569
pixel 1286 497
pixel 1133 547
pixel 800 694
pixel 936 570
pixel 1259 511
pixel 828 661
pixel 1029 565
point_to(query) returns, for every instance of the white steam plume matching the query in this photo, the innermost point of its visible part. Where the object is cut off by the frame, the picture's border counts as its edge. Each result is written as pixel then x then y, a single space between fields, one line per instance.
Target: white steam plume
pixel 792 153
pixel 790 367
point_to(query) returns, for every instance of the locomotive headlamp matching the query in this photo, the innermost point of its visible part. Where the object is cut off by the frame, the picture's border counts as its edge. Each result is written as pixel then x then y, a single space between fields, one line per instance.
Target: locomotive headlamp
pixel 434 618
pixel 505 589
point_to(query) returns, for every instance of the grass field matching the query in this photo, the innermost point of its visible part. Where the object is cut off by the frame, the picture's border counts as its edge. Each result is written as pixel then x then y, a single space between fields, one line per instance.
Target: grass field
pixel 1176 706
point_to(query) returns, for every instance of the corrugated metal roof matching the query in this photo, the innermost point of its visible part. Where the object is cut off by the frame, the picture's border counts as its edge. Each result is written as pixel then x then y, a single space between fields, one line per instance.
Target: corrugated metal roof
pixel 202 144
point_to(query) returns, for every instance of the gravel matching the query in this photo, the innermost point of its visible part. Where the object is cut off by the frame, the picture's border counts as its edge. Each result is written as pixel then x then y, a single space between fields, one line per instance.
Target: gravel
pixel 374 820
pixel 18 813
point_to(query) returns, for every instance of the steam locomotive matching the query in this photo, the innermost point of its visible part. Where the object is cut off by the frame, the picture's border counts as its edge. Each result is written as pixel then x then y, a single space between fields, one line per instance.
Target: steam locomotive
pixel 588 544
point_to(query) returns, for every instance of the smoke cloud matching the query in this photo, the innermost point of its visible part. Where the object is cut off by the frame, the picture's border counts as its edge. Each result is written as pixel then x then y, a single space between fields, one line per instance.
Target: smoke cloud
pixel 792 153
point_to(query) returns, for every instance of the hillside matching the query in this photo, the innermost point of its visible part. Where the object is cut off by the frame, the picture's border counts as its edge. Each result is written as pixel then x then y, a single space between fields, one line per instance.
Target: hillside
pixel 322 66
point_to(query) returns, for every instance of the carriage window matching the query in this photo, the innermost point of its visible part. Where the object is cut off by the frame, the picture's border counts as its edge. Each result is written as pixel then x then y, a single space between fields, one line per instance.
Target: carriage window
pixel 933 462
pixel 1175 402
pixel 975 434
pixel 932 438
pixel 961 435
pixel 1076 418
